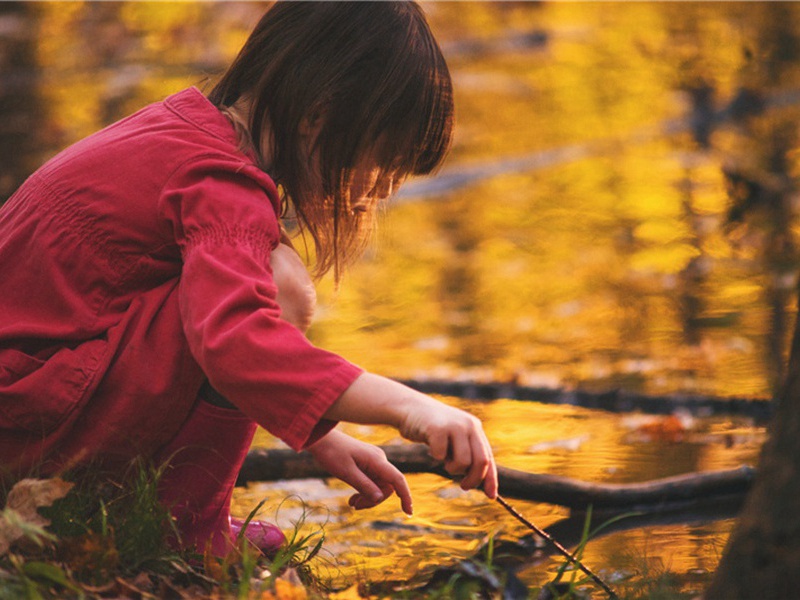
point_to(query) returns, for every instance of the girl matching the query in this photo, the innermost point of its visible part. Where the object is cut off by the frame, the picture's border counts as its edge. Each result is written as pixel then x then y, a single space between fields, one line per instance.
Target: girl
pixel 144 272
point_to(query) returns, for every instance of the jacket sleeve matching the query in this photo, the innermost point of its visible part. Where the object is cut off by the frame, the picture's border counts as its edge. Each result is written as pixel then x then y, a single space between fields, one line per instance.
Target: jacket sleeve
pixel 222 216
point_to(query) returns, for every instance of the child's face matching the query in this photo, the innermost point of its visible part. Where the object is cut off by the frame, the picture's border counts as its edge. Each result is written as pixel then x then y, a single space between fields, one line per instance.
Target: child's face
pixel 369 182
pixel 369 185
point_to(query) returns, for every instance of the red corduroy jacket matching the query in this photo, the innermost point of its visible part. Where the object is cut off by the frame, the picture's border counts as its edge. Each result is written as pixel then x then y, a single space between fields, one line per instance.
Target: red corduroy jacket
pixel 133 265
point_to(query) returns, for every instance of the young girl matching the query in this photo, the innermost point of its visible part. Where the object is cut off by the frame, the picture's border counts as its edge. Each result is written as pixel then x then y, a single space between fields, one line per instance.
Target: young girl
pixel 144 270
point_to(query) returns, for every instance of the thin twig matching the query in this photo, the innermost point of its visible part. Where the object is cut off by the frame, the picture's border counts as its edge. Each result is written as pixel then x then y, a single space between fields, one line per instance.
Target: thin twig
pixel 563 551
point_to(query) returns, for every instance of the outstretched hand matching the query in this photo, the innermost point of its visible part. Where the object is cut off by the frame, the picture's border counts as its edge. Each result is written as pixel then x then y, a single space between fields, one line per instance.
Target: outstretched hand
pixel 364 467
pixel 456 438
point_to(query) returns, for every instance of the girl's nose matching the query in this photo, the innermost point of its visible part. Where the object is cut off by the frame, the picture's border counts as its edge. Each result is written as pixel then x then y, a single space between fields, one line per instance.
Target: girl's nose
pixel 383 189
pixel 386 186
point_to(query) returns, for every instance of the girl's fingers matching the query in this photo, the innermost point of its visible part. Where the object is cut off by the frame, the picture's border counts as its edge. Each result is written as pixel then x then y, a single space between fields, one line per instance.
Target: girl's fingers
pixel 391 480
pixel 473 456
pixel 460 457
pixel 478 466
pixel 365 487
pixel 489 477
pixel 438 445
pixel 491 483
pixel 360 501
pixel 376 482
pixel 400 486
pixel 463 447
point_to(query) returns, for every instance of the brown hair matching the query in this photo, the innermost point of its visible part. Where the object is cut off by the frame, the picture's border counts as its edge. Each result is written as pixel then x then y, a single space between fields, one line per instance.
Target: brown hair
pixel 375 77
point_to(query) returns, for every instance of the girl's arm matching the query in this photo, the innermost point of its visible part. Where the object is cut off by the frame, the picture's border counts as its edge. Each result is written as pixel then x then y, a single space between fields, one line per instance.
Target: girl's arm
pixel 453 436
pixel 361 465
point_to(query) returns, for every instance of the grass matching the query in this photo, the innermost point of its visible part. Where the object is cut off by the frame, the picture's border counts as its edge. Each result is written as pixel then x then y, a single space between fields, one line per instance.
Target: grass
pixel 114 540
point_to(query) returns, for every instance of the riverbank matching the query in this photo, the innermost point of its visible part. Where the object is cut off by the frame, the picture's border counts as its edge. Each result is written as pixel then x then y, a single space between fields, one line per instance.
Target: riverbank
pixel 105 541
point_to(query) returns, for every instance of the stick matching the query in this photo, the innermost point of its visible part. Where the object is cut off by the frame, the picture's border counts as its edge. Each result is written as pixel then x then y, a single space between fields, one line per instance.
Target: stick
pixel 563 551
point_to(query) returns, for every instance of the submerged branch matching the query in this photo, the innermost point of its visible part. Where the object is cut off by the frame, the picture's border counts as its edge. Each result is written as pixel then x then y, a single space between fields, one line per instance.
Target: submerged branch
pixel 615 401
pixel 671 493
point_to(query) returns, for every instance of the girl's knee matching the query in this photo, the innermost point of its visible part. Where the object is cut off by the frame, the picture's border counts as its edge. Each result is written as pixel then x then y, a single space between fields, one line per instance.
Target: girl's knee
pixel 296 294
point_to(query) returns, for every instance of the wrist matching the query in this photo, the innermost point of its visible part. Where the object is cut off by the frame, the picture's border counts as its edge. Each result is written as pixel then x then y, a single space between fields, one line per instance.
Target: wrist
pixel 376 400
pixel 325 442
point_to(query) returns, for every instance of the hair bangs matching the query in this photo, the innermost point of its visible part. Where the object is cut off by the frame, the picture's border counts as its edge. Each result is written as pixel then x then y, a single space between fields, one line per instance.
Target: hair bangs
pixel 416 113
pixel 372 77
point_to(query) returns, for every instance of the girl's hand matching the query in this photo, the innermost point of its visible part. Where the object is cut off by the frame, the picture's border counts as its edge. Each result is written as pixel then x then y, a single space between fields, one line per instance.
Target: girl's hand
pixel 453 436
pixel 456 438
pixel 364 467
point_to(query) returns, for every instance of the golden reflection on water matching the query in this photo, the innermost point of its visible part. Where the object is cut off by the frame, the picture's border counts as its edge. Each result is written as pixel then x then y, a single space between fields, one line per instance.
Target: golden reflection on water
pixel 449 524
pixel 613 268
pixel 614 264
pixel 616 259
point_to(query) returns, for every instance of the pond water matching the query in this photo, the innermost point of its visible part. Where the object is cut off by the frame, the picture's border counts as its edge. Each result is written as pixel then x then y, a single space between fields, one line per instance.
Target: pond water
pixel 449 524
pixel 617 213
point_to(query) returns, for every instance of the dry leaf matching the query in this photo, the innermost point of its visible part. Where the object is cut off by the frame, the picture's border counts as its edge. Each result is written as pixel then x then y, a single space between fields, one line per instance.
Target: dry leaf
pixel 29 494
pixel 91 553
pixel 22 505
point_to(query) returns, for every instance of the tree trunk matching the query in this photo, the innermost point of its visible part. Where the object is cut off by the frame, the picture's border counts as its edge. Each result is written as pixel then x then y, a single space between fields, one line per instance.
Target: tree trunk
pixel 762 558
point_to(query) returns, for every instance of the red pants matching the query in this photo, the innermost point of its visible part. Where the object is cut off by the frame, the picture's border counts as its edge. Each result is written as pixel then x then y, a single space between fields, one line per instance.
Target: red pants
pixel 204 459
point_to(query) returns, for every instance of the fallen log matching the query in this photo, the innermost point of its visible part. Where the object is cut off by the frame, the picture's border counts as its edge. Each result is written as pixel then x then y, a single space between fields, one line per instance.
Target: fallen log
pixel 662 495
pixel 615 400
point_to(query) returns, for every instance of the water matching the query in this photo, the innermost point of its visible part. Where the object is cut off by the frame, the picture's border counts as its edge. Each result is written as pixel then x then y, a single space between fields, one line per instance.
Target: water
pixel 449 524
pixel 617 213
pixel 583 233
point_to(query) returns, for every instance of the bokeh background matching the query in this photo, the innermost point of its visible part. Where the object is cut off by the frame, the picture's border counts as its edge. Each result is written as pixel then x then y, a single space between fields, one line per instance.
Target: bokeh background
pixel 618 212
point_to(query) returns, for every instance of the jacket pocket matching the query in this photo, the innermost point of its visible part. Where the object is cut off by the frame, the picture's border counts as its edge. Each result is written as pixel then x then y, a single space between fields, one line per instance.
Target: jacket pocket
pixel 36 395
pixel 15 365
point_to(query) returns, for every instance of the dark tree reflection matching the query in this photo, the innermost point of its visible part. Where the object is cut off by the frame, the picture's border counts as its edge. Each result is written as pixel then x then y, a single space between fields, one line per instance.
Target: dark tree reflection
pixel 760 181
pixel 19 106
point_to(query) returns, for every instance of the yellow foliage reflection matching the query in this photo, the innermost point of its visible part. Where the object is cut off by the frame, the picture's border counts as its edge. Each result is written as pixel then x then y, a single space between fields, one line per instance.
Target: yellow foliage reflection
pixel 632 226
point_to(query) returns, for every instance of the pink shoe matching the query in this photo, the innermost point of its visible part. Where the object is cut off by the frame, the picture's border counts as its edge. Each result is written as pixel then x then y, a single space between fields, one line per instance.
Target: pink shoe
pixel 264 536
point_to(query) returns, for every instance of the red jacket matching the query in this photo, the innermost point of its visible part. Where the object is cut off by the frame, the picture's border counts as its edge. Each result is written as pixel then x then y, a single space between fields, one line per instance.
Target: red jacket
pixel 133 265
